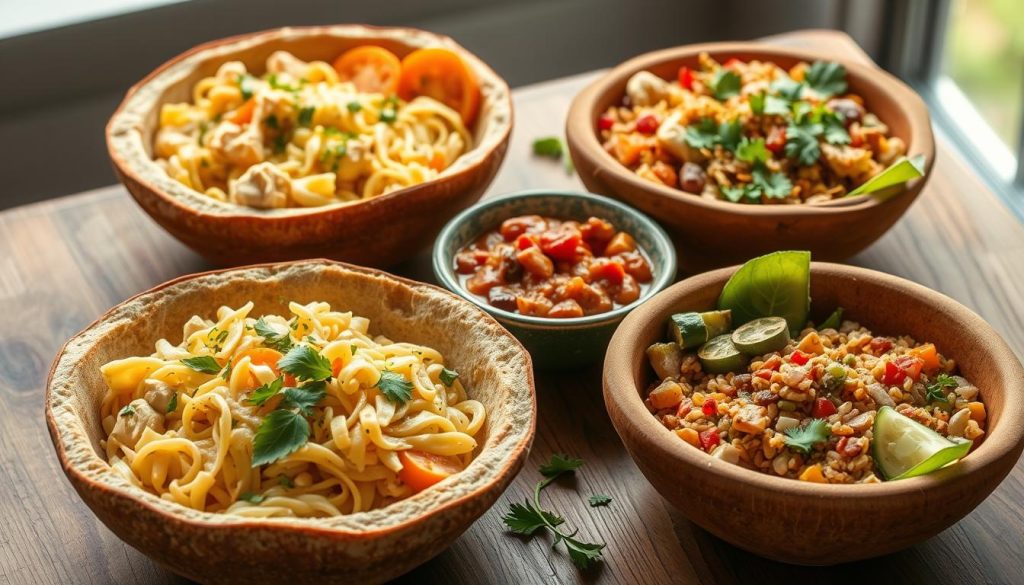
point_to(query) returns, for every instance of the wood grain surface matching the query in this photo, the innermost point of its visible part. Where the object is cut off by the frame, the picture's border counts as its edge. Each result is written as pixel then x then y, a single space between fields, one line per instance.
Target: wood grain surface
pixel 65 262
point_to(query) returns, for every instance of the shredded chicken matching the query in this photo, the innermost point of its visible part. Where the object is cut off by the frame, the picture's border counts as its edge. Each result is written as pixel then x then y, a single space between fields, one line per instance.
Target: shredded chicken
pixel 263 186
pixel 646 89
pixel 157 393
pixel 240 146
pixel 133 420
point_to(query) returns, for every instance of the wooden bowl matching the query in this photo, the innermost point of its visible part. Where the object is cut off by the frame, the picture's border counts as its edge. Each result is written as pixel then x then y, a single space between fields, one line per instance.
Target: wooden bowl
pixel 712 233
pixel 369 547
pixel 380 231
pixel 809 523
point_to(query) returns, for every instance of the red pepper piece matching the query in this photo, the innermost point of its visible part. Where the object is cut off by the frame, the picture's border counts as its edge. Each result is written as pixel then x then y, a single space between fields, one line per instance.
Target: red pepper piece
pixel 894 375
pixel 710 407
pixel 605 122
pixel 647 124
pixel 686 77
pixel 823 408
pixel 799 358
pixel 709 439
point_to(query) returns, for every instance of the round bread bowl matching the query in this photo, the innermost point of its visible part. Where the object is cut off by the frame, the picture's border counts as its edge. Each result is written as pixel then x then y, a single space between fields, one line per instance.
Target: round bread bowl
pixel 810 523
pixel 367 547
pixel 380 231
pixel 712 233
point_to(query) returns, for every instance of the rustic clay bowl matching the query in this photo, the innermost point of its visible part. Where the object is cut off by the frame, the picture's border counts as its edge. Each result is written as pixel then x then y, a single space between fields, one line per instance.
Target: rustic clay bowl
pixel 379 231
pixel 712 233
pixel 821 524
pixel 368 547
pixel 556 344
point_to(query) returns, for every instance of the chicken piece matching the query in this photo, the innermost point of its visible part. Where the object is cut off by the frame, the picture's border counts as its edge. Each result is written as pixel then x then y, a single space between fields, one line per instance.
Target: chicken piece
pixel 750 419
pixel 284 62
pixel 357 161
pixel 196 323
pixel 263 186
pixel 133 420
pixel 157 393
pixel 850 162
pixel 646 89
pixel 170 139
pixel 237 145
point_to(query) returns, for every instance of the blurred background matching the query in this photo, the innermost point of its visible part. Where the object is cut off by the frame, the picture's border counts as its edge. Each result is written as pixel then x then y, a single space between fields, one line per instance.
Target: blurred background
pixel 67 63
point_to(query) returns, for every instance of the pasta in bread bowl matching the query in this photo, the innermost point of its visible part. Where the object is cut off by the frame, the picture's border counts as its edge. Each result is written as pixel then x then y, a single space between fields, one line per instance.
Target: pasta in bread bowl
pixel 269 538
pixel 281 145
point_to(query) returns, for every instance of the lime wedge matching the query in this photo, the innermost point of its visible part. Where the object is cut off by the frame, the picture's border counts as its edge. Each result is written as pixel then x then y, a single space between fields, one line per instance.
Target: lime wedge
pixel 761 336
pixel 898 172
pixel 903 447
pixel 774 285
pixel 720 356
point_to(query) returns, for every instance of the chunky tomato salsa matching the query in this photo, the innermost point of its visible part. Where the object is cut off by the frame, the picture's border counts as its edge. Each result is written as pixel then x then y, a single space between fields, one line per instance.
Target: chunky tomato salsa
pixel 547 267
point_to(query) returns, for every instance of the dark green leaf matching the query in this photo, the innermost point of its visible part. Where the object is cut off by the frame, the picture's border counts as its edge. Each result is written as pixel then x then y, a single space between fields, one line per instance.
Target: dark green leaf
pixel 802 144
pixel 787 89
pixel 737 193
pixel 583 553
pixel 773 285
pixel 265 392
pixel 703 134
pixel 804 438
pixel 776 106
pixel 305 397
pixel 729 134
pixel 834 320
pixel 281 433
pixel 550 146
pixel 827 78
pixel 173 404
pixel 204 363
pixel 752 150
pixel 448 377
pixel 354 107
pixel 305 363
pixel 271 338
pixel 395 387
pixel 937 389
pixel 252 497
pixel 834 129
pixel 526 519
pixel 757 103
pixel 599 500
pixel 560 464
pixel 774 185
pixel 725 84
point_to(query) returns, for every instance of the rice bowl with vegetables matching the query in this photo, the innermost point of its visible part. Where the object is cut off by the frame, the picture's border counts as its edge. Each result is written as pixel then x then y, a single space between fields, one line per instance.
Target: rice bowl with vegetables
pixel 833 403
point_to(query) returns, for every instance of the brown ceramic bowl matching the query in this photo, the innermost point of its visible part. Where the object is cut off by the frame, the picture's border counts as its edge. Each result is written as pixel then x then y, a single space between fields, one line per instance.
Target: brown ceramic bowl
pixel 367 547
pixel 380 231
pixel 809 523
pixel 712 233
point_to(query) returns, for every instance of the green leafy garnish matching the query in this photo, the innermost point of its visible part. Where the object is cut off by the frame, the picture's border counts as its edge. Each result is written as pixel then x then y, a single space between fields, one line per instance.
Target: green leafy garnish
pixel 707 133
pixel 354 106
pixel 204 363
pixel 271 338
pixel 725 84
pixel 774 285
pixel 305 397
pixel 834 129
pixel 281 433
pixel 389 110
pixel 395 387
pixel 252 497
pixel 227 370
pixel 128 410
pixel 245 86
pixel 729 134
pixel 804 438
pixel 550 146
pixel 827 78
pixel 802 143
pixel 787 89
pixel 265 392
pixel 752 150
pixel 937 389
pixel 305 363
pixel 775 106
pixel 448 377
pixel 306 116
pixel 757 103
pixel 173 404
pixel 529 517
pixel 834 320
pixel 774 185
pixel 285 481
pixel 599 500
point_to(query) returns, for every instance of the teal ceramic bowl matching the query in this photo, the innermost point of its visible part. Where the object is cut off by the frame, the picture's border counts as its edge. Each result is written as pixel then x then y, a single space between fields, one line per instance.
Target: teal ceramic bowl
pixel 556 343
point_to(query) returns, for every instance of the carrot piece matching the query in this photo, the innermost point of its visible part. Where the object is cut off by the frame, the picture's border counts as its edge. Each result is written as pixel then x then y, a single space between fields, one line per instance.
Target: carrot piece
pixel 928 355
pixel 243 115
pixel 977 411
pixel 421 470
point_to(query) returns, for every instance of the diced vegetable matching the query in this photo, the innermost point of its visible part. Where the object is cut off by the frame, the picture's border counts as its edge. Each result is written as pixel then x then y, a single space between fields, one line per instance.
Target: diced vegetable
pixel 666 359
pixel 421 470
pixel 823 408
pixel 928 355
pixel 903 447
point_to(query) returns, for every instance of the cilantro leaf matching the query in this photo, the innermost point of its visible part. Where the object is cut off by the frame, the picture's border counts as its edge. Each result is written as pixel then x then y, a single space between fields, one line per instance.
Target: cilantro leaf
pixel 271 338
pixel 834 128
pixel 787 89
pixel 560 464
pixel 305 363
pixel 775 106
pixel 583 553
pixel 703 134
pixel 937 389
pixel 599 500
pixel 306 116
pixel 827 78
pixel 729 134
pixel 265 392
pixel 525 519
pixel 395 387
pixel 281 433
pixel 252 497
pixel 774 185
pixel 172 405
pixel 804 438
pixel 757 103
pixel 725 84
pixel 204 363
pixel 802 144
pixel 128 410
pixel 752 150
pixel 448 377
pixel 550 147
pixel 305 397
pixel 737 193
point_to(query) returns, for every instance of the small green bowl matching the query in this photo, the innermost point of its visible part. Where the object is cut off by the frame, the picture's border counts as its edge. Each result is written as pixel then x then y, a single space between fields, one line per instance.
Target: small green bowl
pixel 556 343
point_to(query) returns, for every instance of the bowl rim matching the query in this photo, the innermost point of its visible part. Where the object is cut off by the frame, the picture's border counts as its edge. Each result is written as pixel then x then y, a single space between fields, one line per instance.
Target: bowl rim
pixel 583 142
pixel 444 273
pixel 311 526
pixel 130 171
pixel 623 395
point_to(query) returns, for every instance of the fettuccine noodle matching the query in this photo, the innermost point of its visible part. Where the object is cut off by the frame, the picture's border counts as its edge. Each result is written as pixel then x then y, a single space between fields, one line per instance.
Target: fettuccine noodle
pixel 300 137
pixel 189 436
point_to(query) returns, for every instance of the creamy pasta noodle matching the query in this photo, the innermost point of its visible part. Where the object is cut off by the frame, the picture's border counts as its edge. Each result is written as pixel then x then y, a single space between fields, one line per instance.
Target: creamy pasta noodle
pixel 307 134
pixel 305 415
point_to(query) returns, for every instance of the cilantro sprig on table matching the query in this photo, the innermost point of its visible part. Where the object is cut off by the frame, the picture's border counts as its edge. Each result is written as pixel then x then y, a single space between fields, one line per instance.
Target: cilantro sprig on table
pixel 529 517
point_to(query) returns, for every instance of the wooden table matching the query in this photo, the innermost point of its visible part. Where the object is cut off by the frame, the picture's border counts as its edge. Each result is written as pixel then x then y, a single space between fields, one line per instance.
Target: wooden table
pixel 64 262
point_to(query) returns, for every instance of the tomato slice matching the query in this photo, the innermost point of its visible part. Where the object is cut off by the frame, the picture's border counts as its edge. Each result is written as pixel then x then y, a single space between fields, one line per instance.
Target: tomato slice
pixel 443 75
pixel 421 470
pixel 372 69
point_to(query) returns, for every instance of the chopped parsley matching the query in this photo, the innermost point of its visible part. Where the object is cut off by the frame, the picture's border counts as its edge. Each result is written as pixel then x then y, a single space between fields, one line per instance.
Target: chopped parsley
pixel 787 89
pixel 752 150
pixel 802 143
pixel 937 389
pixel 394 387
pixel 204 363
pixel 707 133
pixel 725 84
pixel 804 438
pixel 389 110
pixel 305 363
pixel 245 86
pixel 599 500
pixel 827 78
pixel 305 397
pixel 447 376
pixel 271 338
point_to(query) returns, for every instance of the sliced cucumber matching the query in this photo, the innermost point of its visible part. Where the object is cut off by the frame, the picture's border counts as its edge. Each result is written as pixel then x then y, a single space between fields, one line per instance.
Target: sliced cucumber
pixel 693 329
pixel 720 356
pixel 903 447
pixel 761 336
